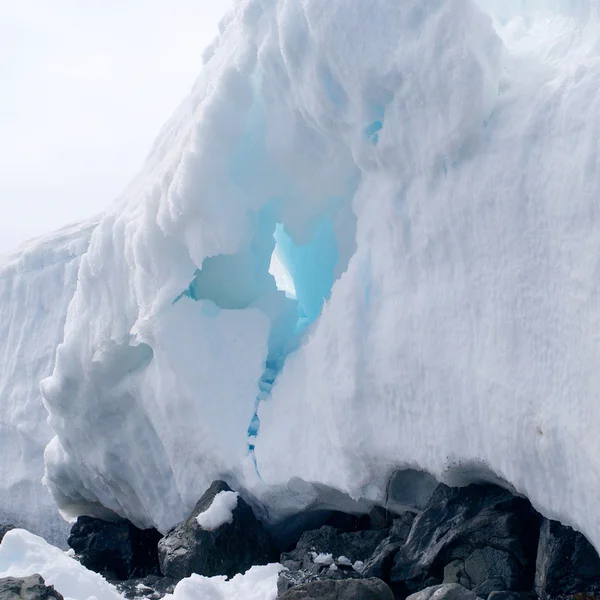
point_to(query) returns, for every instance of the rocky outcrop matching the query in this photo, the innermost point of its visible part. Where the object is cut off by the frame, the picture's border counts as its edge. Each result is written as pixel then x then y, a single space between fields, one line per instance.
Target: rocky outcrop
pixel 227 550
pixel 117 550
pixel 328 553
pixel 483 536
pixel 349 589
pixel 475 542
pixel 379 564
pixel 566 562
pixel 27 588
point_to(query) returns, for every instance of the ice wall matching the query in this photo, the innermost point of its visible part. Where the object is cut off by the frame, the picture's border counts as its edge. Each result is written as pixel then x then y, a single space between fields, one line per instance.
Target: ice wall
pixel 36 285
pixel 434 167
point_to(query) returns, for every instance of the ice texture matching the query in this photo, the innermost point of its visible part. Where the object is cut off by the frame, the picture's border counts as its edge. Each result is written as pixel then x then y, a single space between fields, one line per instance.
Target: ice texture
pixel 37 283
pixel 219 512
pixel 427 174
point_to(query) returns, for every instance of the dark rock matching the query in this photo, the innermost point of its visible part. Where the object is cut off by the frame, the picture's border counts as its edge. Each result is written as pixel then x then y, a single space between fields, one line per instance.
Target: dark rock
pixel 27 588
pixel 353 546
pixel 349 589
pixel 380 518
pixel 4 529
pixel 348 522
pixel 459 521
pixel 490 570
pixel 566 562
pixel 119 550
pixel 446 591
pixel 455 573
pixel 232 548
pixel 511 596
pixel 379 564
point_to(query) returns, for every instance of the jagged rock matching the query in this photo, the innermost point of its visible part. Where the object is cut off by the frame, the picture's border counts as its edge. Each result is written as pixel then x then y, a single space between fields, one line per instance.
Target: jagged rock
pixel 446 591
pixel 119 550
pixel 230 549
pixel 27 588
pixel 348 589
pixel 380 562
pixel 353 546
pixel 489 570
pixel 455 573
pixel 566 562
pixel 4 529
pixel 459 521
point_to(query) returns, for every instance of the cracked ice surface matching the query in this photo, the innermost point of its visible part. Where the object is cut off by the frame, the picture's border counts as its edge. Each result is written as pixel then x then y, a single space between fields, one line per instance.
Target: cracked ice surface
pixel 453 149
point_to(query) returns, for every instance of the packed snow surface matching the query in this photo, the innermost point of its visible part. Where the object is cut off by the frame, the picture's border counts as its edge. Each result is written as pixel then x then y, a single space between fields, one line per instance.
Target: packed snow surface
pixel 219 512
pixel 23 554
pixel 37 283
pixel 427 175
pixel 258 583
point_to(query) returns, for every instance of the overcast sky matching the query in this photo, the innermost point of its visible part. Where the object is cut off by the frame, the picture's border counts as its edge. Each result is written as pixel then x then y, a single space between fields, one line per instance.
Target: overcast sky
pixel 85 85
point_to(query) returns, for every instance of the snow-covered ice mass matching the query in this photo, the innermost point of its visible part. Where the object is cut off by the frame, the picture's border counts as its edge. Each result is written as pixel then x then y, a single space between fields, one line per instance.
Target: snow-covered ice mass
pixel 368 241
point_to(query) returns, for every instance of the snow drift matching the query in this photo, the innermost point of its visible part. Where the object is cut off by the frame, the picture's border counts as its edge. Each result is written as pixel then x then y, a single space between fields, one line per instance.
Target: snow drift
pixel 422 179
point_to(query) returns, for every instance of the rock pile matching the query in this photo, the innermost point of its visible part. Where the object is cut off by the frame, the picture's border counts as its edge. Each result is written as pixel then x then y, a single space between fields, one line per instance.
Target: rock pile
pixel 479 541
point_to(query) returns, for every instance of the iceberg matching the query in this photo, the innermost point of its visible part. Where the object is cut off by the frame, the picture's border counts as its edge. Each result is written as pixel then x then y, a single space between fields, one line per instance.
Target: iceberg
pixel 367 242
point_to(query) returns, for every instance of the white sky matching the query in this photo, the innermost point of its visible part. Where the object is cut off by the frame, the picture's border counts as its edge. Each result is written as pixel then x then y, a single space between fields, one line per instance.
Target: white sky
pixel 85 85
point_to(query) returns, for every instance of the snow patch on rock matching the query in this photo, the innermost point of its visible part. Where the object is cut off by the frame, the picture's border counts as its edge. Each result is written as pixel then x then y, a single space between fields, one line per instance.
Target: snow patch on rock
pixel 219 512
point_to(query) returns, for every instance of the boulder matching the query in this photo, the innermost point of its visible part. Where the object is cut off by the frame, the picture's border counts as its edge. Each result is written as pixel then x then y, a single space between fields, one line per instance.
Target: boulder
pixel 348 589
pixel 27 588
pixel 455 573
pixel 308 561
pixel 489 570
pixel 379 564
pixel 446 591
pixel 459 521
pixel 118 550
pixel 4 529
pixel 229 548
pixel 566 562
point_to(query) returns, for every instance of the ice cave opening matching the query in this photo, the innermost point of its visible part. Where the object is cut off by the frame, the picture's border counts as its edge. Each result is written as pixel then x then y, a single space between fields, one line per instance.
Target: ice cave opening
pixel 287 280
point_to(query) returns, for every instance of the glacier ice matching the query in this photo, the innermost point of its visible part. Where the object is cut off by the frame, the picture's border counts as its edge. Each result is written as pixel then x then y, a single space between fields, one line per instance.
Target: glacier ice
pixel 37 283
pixel 424 175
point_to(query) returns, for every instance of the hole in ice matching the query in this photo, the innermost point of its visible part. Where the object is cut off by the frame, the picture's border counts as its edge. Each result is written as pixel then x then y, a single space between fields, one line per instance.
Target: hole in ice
pixel 287 281
pixel 310 268
pixel 372 131
pixel 283 279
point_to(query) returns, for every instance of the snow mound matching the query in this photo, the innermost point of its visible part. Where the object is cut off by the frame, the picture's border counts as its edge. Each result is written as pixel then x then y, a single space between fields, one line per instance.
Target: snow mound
pixel 258 583
pixel 426 174
pixel 22 554
pixel 219 512
pixel 37 283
